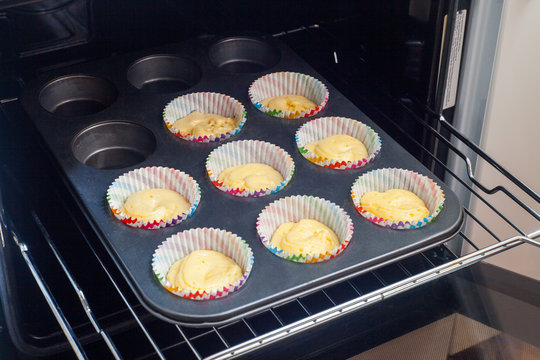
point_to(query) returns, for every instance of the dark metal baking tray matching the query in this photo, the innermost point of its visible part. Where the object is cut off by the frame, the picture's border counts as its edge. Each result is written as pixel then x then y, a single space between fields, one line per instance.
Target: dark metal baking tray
pixel 273 280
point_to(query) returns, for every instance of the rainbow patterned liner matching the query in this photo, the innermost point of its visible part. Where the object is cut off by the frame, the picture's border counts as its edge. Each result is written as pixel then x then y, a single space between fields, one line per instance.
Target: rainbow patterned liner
pixel 392 178
pixel 149 178
pixel 298 207
pixel 288 83
pixel 205 102
pixel 179 245
pixel 321 128
pixel 244 152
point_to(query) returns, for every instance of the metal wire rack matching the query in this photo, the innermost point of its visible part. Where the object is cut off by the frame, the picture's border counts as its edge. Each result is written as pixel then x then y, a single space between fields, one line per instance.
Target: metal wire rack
pixel 285 320
pixel 151 338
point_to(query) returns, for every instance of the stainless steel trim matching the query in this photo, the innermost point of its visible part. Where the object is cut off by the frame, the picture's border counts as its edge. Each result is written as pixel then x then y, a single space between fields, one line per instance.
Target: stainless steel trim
pixel 484 22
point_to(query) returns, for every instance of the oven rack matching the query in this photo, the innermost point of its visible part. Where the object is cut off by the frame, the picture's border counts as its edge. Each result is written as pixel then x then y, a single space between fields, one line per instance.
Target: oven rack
pixel 158 339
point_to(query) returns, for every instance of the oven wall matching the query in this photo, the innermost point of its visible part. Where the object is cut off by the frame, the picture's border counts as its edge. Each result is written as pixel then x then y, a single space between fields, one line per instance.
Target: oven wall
pixel 381 48
pixel 510 132
pixel 396 38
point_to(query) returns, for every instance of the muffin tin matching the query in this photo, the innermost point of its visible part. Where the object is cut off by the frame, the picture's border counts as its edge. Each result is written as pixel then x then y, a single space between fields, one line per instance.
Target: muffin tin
pixel 103 119
pixel 163 73
pixel 77 94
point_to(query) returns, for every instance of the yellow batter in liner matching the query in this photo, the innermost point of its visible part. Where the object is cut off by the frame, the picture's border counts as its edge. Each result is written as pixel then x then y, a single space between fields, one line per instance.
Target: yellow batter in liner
pixel 201 124
pixel 155 205
pixel 339 148
pixel 395 204
pixel 294 103
pixel 204 270
pixel 308 237
pixel 252 176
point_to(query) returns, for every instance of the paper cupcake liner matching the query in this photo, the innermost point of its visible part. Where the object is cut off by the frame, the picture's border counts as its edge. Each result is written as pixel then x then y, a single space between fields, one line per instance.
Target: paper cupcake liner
pixel 321 128
pixel 296 208
pixel 391 178
pixel 149 178
pixel 204 102
pixel 244 152
pixel 179 245
pixel 288 83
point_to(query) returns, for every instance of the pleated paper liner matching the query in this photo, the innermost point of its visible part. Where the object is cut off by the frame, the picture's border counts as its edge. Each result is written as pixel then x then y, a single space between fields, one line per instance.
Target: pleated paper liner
pixel 392 178
pixel 149 178
pixel 296 208
pixel 204 102
pixel 179 245
pixel 288 83
pixel 244 152
pixel 324 127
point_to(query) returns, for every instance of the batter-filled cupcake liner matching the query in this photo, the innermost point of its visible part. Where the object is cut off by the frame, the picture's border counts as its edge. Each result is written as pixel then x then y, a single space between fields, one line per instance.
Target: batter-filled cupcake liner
pixel 244 152
pixel 392 178
pixel 179 245
pixel 150 178
pixel 288 83
pixel 324 127
pixel 204 102
pixel 296 208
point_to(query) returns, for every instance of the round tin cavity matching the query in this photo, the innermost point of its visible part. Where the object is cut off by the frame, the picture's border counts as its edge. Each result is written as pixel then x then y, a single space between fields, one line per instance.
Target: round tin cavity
pixel 163 73
pixel 243 55
pixel 77 95
pixel 113 145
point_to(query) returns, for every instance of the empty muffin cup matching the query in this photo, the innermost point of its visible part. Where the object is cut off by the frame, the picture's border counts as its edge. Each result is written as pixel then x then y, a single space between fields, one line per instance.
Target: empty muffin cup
pixel 163 73
pixel 152 178
pixel 296 208
pixel 183 243
pixel 243 55
pixel 321 128
pixel 204 102
pixel 245 152
pixel 113 145
pixel 382 180
pixel 288 83
pixel 77 95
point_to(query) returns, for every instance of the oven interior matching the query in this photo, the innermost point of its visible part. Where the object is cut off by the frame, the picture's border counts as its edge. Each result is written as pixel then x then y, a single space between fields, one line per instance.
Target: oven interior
pixel 385 56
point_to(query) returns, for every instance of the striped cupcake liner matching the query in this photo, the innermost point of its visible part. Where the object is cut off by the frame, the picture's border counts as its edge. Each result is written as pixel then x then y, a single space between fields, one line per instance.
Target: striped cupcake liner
pixel 288 83
pixel 321 128
pixel 179 245
pixel 392 178
pixel 151 178
pixel 204 102
pixel 296 208
pixel 244 152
